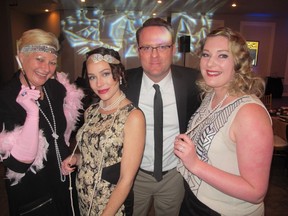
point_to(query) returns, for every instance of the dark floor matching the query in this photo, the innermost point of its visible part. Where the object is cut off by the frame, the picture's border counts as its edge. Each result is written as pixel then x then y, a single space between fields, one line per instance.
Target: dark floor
pixel 276 201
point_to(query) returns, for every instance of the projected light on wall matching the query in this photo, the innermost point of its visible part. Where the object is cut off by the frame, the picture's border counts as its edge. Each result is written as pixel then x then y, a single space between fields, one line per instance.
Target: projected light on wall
pixel 89 27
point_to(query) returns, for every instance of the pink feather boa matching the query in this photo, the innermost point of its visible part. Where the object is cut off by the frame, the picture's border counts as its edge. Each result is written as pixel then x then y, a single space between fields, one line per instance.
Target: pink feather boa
pixel 72 105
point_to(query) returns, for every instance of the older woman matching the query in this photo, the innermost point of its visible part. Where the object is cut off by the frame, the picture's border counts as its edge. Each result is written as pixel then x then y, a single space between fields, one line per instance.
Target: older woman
pixel 38 111
pixel 226 158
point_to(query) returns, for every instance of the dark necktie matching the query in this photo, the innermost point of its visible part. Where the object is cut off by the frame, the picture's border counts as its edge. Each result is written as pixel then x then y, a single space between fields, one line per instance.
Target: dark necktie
pixel 158 133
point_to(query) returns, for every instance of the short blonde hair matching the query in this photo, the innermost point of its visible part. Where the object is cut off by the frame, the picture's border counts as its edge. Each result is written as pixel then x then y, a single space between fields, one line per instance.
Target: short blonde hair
pixel 37 37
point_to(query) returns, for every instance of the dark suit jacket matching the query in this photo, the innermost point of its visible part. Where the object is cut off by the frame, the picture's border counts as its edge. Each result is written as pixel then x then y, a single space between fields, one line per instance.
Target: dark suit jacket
pixel 186 92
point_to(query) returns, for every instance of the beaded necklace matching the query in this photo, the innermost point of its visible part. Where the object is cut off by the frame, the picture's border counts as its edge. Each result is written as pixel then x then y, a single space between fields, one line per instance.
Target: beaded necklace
pixel 54 133
pixel 98 175
pixel 114 104
pixel 212 111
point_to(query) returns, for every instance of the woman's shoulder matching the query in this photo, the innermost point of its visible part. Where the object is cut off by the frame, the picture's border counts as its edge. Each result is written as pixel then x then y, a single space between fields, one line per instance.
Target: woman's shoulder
pixel 92 107
pixel 129 107
pixel 12 84
pixel 250 107
pixel 246 100
pixel 134 112
pixel 10 90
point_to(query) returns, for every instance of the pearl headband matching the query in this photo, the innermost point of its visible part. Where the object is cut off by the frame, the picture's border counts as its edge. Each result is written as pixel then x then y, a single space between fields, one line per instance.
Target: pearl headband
pixel 39 48
pixel 107 58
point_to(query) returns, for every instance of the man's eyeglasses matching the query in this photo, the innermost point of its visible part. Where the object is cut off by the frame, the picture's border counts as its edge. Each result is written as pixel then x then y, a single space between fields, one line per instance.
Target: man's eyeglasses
pixel 149 49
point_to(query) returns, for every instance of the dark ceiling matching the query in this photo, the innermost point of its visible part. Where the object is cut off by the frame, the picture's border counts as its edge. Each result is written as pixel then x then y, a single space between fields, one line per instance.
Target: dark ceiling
pixel 275 8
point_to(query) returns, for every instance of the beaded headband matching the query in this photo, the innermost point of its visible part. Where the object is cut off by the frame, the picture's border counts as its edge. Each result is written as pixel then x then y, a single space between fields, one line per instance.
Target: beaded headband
pixel 39 48
pixel 107 58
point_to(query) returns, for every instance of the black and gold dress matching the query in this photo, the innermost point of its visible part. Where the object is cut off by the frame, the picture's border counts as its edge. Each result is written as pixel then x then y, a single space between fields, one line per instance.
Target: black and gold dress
pixel 100 141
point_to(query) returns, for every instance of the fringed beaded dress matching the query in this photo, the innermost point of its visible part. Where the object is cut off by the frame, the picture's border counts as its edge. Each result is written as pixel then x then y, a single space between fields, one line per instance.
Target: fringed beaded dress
pixel 100 141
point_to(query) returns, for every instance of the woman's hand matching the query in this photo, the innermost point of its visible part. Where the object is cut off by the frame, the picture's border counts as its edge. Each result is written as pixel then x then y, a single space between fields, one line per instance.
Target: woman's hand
pixel 26 98
pixel 185 149
pixel 28 140
pixel 69 164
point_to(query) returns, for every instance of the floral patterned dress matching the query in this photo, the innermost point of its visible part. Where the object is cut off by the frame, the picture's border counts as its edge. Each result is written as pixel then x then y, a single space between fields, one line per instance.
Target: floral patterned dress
pixel 100 141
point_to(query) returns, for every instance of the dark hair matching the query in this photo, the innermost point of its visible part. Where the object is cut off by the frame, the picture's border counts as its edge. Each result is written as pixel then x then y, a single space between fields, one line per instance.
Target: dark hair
pixel 156 22
pixel 118 70
pixel 245 80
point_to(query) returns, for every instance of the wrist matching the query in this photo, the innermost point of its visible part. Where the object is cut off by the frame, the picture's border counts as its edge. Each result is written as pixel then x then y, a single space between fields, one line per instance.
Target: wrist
pixel 32 117
pixel 77 158
pixel 195 166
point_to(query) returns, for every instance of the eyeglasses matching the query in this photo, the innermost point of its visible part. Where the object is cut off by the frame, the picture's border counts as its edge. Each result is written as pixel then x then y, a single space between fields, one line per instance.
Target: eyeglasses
pixel 149 49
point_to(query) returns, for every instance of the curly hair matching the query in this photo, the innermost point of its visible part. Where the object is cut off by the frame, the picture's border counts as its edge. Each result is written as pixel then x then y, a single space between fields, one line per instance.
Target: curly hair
pixel 245 80
pixel 118 70
pixel 37 37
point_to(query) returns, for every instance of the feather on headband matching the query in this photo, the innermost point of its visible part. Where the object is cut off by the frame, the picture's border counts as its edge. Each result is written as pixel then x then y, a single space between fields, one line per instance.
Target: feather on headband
pixel 107 58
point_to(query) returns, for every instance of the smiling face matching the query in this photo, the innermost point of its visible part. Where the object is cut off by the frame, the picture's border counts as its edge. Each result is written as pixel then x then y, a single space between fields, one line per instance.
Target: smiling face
pixel 156 63
pixel 101 81
pixel 38 66
pixel 217 62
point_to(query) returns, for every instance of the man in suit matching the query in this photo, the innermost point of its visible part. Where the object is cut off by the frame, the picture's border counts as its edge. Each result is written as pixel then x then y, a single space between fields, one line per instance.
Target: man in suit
pixel 180 98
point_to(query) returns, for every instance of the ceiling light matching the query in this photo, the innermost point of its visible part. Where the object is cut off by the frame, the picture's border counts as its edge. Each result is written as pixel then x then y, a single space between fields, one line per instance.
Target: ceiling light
pixel 234 5
pixel 82 0
pixel 159 1
pixel 46 10
pixel 154 14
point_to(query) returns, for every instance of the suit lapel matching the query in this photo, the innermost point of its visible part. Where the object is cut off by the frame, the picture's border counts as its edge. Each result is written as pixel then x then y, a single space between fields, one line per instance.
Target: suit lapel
pixel 134 83
pixel 181 97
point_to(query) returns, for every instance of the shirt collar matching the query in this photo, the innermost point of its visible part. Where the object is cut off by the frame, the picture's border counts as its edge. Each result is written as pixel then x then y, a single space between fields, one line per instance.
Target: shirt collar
pixel 148 83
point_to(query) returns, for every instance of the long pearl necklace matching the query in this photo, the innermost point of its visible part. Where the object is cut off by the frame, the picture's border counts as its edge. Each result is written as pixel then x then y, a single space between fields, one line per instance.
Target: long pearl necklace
pixel 98 175
pixel 212 111
pixel 114 104
pixel 54 134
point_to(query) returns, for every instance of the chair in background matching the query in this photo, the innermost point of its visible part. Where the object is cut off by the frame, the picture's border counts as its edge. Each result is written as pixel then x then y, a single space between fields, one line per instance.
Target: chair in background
pixel 281 151
pixel 267 101
pixel 280 130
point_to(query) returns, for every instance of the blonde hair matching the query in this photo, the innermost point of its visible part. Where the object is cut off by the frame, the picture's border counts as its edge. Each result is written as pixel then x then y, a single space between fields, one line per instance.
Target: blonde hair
pixel 37 37
pixel 245 80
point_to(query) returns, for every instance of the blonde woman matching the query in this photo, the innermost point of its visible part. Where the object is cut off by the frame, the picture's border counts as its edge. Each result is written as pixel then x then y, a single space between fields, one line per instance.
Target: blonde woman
pixel 38 111
pixel 226 155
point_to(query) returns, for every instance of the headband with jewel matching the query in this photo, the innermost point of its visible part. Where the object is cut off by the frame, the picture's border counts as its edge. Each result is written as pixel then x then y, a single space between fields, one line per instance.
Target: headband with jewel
pixel 107 58
pixel 39 48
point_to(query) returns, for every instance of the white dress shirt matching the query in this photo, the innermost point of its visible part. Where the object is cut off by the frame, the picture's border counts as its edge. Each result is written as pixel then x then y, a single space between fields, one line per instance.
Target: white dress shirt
pixel 170 121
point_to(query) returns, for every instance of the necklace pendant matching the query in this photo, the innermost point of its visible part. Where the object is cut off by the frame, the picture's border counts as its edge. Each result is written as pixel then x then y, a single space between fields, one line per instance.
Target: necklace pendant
pixel 54 135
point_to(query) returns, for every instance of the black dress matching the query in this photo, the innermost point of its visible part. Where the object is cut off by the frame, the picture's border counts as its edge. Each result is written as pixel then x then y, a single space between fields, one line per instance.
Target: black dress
pixel 45 185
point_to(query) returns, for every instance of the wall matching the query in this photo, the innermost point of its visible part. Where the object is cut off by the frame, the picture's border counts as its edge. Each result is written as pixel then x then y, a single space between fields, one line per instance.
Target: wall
pixel 6 66
pixel 272 61
pixel 273 50
pixel 21 22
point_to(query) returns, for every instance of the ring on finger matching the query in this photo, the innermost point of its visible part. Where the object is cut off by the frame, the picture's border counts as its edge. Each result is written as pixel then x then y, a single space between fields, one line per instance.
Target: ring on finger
pixel 181 149
pixel 23 93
